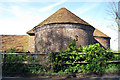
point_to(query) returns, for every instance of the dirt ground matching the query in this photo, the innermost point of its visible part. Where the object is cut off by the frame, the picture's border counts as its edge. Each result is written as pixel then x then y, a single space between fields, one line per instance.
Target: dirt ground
pixel 64 76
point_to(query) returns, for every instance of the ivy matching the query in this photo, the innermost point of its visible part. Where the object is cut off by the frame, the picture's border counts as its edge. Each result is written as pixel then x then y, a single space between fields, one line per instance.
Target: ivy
pixel 67 61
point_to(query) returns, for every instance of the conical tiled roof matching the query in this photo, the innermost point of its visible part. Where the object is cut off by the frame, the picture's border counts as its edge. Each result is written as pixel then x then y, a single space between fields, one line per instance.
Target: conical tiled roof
pixel 63 16
pixel 99 33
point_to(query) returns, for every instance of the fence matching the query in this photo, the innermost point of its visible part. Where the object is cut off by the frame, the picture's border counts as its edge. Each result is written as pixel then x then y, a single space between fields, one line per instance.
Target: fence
pixel 42 58
pixel 23 67
pixel 23 63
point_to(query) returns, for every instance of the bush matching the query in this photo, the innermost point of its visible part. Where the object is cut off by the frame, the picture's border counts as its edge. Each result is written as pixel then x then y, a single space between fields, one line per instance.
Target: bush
pixel 67 61
pixel 12 50
pixel 113 68
pixel 19 68
pixel 96 55
pixel 14 67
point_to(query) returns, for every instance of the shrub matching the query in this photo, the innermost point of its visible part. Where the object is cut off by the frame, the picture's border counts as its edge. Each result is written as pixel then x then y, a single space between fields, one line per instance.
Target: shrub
pixel 96 55
pixel 12 50
pixel 14 67
pixel 113 68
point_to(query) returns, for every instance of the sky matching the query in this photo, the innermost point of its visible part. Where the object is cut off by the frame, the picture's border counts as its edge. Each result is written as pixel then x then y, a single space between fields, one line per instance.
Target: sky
pixel 19 16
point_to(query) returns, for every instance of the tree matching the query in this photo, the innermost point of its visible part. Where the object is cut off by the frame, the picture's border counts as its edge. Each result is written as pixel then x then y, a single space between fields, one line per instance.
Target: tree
pixel 116 13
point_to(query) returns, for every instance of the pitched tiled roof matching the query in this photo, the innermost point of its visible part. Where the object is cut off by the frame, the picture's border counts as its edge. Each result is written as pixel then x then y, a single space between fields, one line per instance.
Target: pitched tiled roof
pixel 99 33
pixel 19 42
pixel 63 16
pixel 30 31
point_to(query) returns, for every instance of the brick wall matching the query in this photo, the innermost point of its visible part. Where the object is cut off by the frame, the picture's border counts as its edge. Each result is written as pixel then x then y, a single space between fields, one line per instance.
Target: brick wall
pixel 56 37
pixel 31 46
pixel 104 41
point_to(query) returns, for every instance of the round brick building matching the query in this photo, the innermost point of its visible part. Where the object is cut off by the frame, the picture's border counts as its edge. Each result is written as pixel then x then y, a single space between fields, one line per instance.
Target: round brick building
pixel 58 30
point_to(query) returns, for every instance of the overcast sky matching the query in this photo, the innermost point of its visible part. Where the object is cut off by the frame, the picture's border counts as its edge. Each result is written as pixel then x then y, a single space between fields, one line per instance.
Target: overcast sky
pixel 16 18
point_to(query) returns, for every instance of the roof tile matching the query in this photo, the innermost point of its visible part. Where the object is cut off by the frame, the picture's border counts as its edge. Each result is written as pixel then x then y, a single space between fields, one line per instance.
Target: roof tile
pixel 19 42
pixel 63 16
pixel 99 33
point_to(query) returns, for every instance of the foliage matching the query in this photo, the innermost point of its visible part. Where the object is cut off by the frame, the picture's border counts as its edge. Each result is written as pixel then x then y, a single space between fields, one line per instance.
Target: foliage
pixel 72 47
pixel 21 57
pixel 113 68
pixel 66 61
pixel 19 67
pixel 97 56
pixel 22 68
pixel 12 50
pixel 35 69
pixel 14 58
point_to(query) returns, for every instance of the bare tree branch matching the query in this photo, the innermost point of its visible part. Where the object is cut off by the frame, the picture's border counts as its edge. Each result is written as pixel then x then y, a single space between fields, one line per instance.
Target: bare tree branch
pixel 115 13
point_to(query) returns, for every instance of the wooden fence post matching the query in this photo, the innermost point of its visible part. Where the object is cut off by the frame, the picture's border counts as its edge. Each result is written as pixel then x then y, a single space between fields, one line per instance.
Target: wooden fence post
pixel 4 55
